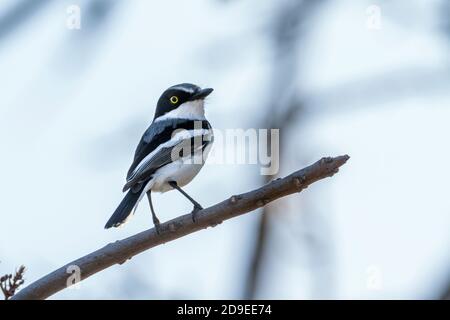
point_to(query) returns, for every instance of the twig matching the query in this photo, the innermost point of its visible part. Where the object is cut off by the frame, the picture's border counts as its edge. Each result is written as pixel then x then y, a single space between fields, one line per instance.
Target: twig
pixel 120 251
pixel 9 283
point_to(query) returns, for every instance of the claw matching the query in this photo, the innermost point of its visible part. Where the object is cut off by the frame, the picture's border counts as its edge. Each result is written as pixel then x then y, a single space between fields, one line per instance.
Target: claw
pixel 157 225
pixel 196 209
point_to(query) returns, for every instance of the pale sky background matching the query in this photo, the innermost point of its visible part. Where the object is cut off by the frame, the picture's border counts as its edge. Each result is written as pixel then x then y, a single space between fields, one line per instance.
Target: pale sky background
pixel 74 104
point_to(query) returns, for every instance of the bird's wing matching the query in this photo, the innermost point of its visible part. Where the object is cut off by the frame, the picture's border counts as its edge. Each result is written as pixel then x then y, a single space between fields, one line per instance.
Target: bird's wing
pixel 155 135
pixel 162 145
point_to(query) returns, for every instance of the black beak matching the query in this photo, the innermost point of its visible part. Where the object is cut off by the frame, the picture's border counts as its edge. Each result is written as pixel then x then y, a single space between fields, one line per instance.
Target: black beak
pixel 202 94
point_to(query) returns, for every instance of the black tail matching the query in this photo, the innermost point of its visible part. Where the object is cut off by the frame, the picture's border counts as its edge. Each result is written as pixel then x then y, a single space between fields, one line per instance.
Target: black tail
pixel 124 209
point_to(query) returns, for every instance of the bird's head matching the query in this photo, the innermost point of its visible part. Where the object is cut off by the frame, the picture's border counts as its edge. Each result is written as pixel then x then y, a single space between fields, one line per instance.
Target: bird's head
pixel 183 100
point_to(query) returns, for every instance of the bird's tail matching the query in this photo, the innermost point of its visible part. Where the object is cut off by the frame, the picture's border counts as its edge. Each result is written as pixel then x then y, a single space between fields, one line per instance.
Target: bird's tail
pixel 125 209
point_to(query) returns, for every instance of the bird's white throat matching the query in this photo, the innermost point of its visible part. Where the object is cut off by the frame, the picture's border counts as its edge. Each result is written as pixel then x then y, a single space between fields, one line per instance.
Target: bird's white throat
pixel 193 110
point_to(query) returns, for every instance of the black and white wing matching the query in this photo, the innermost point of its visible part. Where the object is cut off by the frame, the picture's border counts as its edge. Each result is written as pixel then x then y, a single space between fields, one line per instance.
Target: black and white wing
pixel 163 143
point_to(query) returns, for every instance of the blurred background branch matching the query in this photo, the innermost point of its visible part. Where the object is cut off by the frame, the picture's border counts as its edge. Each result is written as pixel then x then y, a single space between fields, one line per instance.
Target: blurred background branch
pixel 291 24
pixel 18 14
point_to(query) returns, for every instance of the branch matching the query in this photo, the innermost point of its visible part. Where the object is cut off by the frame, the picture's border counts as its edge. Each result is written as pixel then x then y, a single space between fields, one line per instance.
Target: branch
pixel 120 251
pixel 10 283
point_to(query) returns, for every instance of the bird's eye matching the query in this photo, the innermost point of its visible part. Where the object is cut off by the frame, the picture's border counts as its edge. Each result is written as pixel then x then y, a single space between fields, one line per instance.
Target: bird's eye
pixel 174 99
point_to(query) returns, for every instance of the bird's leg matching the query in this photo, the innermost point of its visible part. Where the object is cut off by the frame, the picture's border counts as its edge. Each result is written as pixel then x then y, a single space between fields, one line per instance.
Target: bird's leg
pixel 197 206
pixel 155 218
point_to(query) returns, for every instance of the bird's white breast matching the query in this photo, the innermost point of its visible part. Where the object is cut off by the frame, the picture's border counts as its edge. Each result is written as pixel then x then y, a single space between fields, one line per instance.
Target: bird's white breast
pixel 178 171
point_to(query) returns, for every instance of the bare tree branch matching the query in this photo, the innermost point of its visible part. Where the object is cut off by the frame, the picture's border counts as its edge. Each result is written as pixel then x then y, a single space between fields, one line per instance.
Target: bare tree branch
pixel 10 283
pixel 120 251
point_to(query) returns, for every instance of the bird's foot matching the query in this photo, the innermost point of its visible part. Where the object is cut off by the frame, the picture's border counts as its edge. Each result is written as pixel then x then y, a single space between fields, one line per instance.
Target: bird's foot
pixel 196 209
pixel 157 225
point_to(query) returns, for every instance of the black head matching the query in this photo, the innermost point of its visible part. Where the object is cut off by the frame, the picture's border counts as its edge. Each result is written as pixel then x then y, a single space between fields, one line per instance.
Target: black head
pixel 178 94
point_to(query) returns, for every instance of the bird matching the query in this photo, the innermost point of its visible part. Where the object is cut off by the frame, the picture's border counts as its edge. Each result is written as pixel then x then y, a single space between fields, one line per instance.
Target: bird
pixel 170 153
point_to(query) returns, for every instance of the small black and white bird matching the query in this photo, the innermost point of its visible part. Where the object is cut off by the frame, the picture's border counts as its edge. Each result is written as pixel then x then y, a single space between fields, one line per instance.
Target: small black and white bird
pixel 161 162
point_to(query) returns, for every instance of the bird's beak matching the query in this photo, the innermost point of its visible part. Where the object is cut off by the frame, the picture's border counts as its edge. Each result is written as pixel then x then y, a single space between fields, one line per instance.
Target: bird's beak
pixel 202 94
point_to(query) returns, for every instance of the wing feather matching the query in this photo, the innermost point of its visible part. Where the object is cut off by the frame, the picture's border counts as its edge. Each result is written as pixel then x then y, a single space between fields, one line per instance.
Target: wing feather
pixel 166 153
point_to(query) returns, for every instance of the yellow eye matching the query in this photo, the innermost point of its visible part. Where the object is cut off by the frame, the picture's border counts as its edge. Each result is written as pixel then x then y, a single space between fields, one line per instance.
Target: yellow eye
pixel 174 99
